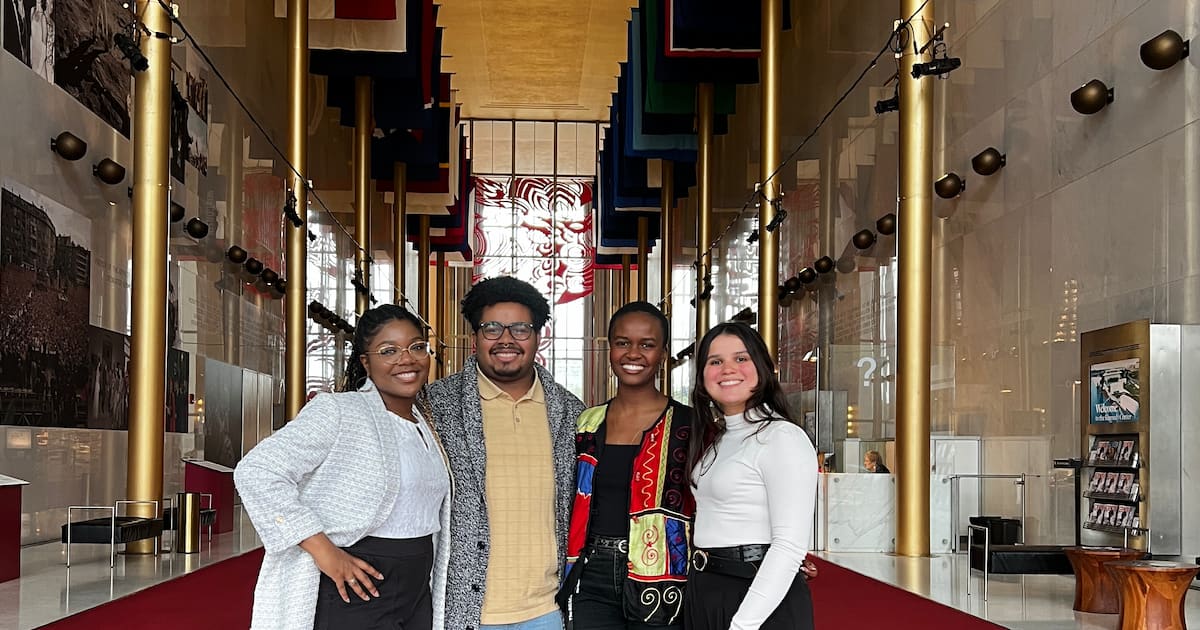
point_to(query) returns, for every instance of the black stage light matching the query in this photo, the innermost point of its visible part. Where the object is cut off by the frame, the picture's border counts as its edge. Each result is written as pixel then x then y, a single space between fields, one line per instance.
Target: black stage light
pixel 937 67
pixel 886 225
pixel 1091 97
pixel 177 212
pixel 988 161
pixel 109 172
pixel 68 146
pixel 949 186
pixel 1165 50
pixel 236 255
pixel 130 51
pixel 196 228
pixel 253 266
pixel 863 239
pixel 823 264
pixel 888 105
pixel 807 275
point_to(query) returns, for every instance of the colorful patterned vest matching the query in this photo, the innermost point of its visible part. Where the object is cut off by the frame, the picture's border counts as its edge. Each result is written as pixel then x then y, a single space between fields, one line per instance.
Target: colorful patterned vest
pixel 660 513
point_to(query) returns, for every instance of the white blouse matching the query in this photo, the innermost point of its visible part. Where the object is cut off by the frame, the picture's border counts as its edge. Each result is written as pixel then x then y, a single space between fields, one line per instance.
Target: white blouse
pixel 424 483
pixel 759 488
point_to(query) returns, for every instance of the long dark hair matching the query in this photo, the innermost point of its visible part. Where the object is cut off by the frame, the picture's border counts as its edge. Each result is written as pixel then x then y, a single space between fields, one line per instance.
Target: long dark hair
pixel 368 325
pixel 768 398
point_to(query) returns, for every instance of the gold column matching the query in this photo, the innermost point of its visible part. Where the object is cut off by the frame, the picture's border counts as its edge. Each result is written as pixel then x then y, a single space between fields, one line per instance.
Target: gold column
pixel 399 236
pixel 363 128
pixel 442 300
pixel 666 247
pixel 626 278
pixel 704 142
pixel 643 255
pixel 232 167
pixel 769 156
pixel 297 236
pixel 912 304
pixel 148 343
pixel 423 268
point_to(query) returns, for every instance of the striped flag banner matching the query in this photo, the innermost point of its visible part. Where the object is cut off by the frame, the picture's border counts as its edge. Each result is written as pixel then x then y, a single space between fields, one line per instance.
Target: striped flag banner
pixel 377 25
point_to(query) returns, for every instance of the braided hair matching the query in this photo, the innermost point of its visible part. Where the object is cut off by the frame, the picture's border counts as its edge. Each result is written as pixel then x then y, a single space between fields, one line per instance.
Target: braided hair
pixel 368 325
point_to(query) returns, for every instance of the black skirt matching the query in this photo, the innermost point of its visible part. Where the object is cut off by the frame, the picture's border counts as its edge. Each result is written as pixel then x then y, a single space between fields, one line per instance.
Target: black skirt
pixel 712 599
pixel 404 601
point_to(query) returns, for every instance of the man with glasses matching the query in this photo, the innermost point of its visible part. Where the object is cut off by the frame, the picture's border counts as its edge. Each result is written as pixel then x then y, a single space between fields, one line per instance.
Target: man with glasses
pixel 509 432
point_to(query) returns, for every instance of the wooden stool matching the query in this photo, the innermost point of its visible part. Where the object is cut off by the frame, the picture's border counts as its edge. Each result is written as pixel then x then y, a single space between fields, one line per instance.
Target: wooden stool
pixel 1095 591
pixel 1152 593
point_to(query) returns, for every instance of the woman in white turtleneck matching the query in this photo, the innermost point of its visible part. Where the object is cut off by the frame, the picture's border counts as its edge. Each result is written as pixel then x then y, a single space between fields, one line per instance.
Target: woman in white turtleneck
pixel 755 475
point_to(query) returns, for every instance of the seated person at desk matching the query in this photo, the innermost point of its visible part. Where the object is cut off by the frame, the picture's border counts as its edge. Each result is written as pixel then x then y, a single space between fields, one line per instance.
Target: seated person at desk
pixel 873 463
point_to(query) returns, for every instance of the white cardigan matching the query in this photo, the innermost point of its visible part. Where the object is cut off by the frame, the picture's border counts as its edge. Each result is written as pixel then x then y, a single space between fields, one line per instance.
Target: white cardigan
pixel 329 470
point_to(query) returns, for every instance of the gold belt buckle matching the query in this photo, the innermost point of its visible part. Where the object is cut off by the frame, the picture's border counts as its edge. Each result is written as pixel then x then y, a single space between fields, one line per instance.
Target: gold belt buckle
pixel 699 559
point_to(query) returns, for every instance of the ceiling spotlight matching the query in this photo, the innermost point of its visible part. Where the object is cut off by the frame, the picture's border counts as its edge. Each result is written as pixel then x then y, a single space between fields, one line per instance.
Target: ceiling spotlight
pixel 312 238
pixel 68 146
pixel 863 239
pixel 289 210
pixel 1164 51
pixel 886 224
pixel 177 212
pixel 888 105
pixel 196 228
pixel 109 172
pixel 949 186
pixel 988 161
pixel 937 67
pixel 752 237
pixel 130 51
pixel 807 275
pixel 236 255
pixel 253 266
pixel 269 275
pixel 1091 97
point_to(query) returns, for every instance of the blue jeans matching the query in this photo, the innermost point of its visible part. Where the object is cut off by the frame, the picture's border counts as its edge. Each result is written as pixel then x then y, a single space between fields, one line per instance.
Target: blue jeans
pixel 548 621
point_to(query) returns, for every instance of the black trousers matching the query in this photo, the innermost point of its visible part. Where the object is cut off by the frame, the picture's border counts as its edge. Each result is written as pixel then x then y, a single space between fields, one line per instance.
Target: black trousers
pixel 404 601
pixel 599 605
pixel 712 599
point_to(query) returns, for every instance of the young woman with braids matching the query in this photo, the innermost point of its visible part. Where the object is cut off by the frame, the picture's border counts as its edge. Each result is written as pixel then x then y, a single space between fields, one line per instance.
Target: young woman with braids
pixel 754 473
pixel 350 497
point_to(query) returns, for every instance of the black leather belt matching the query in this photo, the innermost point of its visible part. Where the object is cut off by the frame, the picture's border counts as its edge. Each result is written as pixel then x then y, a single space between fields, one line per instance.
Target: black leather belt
pixel 612 544
pixel 741 561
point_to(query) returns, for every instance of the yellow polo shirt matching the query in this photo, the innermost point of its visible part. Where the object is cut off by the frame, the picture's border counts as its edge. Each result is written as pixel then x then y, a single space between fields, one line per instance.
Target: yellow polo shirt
pixel 522 575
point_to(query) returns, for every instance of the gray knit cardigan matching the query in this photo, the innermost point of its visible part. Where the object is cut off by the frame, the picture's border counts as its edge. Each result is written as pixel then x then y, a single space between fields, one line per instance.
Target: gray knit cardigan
pixel 459 415
pixel 332 469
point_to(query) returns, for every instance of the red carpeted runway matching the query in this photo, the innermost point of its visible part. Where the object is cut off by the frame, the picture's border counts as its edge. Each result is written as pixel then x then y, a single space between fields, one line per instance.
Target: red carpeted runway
pixel 845 599
pixel 220 596
pixel 216 596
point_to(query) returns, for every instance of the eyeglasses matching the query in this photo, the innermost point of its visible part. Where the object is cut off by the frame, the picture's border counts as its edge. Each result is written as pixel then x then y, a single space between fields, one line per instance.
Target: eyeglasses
pixel 392 354
pixel 492 331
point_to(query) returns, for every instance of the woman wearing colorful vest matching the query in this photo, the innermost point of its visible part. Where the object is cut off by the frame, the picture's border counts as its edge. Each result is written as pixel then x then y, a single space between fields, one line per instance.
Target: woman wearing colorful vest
pixel 630 526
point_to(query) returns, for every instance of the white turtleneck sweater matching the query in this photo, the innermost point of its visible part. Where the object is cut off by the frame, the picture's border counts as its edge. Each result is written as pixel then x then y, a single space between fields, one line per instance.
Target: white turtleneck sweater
pixel 759 488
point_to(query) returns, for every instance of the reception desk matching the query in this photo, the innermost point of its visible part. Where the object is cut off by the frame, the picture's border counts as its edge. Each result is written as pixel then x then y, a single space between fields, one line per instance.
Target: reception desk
pixel 10 527
pixel 857 512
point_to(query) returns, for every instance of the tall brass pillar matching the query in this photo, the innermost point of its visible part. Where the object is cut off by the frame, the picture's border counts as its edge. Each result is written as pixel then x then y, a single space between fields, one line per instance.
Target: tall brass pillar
pixel 769 156
pixel 148 344
pixel 364 126
pixel 441 320
pixel 626 280
pixel 399 236
pixel 704 142
pixel 643 256
pixel 666 246
pixel 914 252
pixel 297 236
pixel 423 269
pixel 232 167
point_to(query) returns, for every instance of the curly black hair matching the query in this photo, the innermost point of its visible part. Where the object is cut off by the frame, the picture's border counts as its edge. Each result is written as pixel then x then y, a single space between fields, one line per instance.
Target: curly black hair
pixel 504 289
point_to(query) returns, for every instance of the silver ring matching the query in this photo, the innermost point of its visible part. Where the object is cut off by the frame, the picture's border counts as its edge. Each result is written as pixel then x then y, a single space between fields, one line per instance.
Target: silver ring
pixel 352 581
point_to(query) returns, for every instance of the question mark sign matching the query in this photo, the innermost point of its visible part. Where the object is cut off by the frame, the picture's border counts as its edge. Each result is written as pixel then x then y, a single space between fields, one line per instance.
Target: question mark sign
pixel 870 363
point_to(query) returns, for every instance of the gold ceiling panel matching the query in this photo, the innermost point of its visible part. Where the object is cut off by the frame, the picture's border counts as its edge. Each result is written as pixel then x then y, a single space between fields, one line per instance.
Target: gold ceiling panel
pixel 534 59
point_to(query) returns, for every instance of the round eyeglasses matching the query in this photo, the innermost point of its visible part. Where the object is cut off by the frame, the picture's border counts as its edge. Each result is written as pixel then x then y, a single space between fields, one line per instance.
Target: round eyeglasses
pixel 392 354
pixel 520 331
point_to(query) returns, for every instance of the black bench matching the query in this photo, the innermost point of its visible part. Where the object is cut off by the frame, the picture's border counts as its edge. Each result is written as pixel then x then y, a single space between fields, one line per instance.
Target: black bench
pixel 208 518
pixel 113 529
pixel 1012 559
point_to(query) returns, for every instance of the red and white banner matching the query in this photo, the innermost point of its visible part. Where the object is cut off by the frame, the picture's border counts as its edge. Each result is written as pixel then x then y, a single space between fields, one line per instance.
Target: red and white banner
pixel 374 25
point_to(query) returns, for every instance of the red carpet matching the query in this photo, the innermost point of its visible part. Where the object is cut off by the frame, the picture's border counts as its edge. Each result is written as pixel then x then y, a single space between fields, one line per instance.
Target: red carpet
pixel 220 596
pixel 845 599
pixel 217 596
